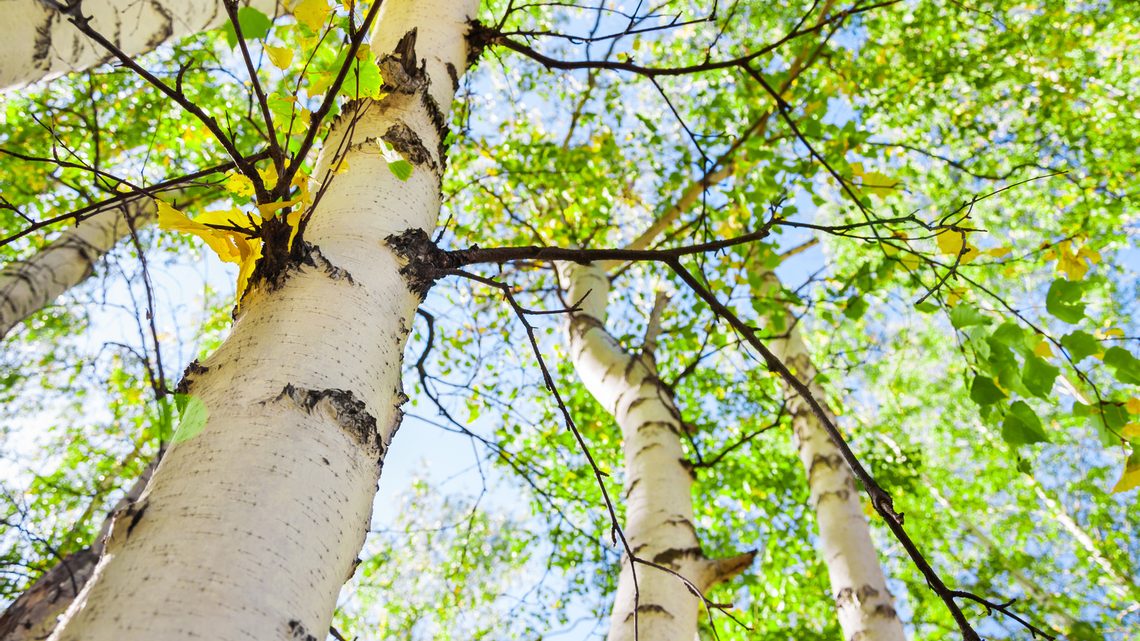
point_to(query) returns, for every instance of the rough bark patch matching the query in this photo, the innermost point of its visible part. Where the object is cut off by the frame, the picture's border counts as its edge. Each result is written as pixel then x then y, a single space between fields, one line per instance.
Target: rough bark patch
pixel 193 369
pixel 409 145
pixel 350 412
pixel 425 262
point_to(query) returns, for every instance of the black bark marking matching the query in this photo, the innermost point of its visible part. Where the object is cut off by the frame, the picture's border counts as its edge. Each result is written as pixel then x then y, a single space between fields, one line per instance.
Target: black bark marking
pixel 193 369
pixel 134 514
pixel 279 260
pixel 649 608
pixel 409 145
pixel 402 72
pixel 350 412
pixel 885 610
pixel 833 462
pixel 298 631
pixel 669 557
pixel 453 73
pixel 426 262
pixel 41 49
pixel 478 37
pixel 167 29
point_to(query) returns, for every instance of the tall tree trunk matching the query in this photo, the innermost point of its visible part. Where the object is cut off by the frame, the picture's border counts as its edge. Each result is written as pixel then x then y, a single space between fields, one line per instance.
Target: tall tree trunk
pixel 28 286
pixel 253 520
pixel 658 481
pixel 865 606
pixel 37 41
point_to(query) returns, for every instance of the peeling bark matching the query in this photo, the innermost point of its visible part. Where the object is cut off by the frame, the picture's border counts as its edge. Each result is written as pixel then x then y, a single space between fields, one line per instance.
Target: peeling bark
pixel 250 526
pixel 38 43
pixel 658 488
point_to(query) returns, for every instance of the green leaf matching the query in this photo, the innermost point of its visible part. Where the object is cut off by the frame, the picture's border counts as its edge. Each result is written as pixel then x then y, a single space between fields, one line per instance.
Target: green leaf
pixel 1064 300
pixel 965 315
pixel 1022 426
pixel 1038 376
pixel 192 419
pixel 855 308
pixel 401 169
pixel 1126 366
pixel 984 391
pixel 1011 335
pixel 1080 345
pixel 363 81
pixel 254 24
pixel 926 307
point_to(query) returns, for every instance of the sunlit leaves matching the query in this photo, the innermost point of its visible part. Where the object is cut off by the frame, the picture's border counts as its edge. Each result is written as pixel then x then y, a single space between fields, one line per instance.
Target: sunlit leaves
pixel 984 391
pixel 964 315
pixel 1131 476
pixel 1064 300
pixel 254 25
pixel 1080 345
pixel 227 233
pixel 1125 366
pixel 1022 426
pixel 281 57
pixel 192 417
pixel 312 13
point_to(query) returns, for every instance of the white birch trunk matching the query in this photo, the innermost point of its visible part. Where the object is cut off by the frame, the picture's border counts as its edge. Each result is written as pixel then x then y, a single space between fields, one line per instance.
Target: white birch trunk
pixel 250 526
pixel 37 42
pixel 30 285
pixel 865 606
pixel 658 480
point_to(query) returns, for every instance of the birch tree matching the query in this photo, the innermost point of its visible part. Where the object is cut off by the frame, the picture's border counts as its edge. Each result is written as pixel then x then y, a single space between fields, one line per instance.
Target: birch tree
pixel 39 43
pixel 584 130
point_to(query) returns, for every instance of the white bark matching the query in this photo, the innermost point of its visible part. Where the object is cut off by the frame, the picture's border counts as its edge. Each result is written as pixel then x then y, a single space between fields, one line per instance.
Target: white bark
pixel 865 606
pixel 37 42
pixel 250 527
pixel 28 286
pixel 658 481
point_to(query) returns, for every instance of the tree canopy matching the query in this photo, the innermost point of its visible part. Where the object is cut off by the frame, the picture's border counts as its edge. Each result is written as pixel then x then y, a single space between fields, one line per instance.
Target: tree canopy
pixel 909 224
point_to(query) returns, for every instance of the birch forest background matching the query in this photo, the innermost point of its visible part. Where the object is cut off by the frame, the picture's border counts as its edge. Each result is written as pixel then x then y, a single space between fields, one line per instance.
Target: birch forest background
pixel 696 320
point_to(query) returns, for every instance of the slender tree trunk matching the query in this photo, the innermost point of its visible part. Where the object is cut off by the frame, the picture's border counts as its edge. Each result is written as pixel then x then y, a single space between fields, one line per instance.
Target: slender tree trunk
pixel 253 520
pixel 34 615
pixel 37 42
pixel 658 480
pixel 30 285
pixel 865 606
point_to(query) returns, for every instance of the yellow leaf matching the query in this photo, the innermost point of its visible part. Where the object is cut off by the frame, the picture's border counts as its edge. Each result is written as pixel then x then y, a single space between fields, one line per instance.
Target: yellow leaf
pixel 312 13
pixel 1133 405
pixel 268 174
pixel 1092 255
pixel 1043 349
pixel 1130 431
pixel 1131 476
pixel 1070 262
pixel 999 252
pixel 238 184
pixel 246 269
pixel 878 184
pixel 230 246
pixel 281 57
pixel 950 241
